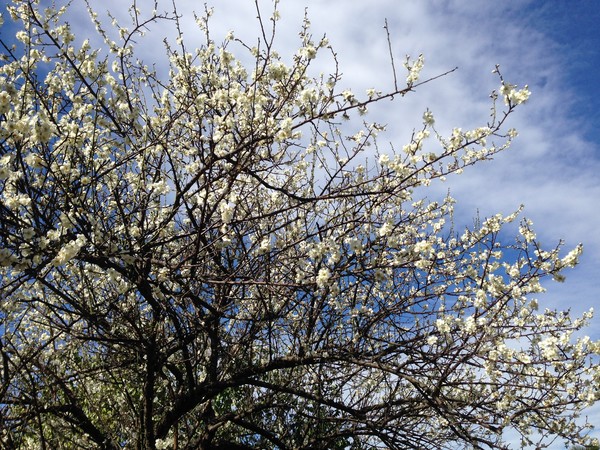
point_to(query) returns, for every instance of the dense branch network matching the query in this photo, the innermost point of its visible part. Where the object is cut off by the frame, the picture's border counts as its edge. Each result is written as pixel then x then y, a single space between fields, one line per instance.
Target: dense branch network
pixel 205 260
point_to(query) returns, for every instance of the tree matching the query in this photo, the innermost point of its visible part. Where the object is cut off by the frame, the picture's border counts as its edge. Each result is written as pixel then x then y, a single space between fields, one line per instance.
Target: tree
pixel 207 260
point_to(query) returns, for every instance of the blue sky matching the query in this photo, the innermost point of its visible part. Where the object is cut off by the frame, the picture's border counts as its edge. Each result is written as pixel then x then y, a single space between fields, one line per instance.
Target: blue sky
pixel 554 166
pixel 573 30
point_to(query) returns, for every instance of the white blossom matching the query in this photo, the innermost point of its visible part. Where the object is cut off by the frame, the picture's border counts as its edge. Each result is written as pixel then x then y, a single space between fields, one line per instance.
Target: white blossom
pixel 69 250
pixel 323 277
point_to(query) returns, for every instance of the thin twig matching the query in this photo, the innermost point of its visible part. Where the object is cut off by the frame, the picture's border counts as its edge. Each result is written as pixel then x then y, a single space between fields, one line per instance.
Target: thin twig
pixel 387 31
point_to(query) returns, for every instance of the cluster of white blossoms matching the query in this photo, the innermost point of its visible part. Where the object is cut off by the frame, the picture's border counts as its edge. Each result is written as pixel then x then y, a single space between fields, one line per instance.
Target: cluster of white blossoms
pixel 414 69
pixel 69 251
pixel 512 96
pixel 323 277
pixel 572 258
pixel 5 101
pixel 428 119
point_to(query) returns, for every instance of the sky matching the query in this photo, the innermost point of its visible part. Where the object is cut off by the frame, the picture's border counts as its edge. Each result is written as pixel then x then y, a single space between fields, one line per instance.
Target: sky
pixel 553 167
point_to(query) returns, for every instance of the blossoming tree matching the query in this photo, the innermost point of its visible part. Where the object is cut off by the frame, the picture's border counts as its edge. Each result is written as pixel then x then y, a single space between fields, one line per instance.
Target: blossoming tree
pixel 206 260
